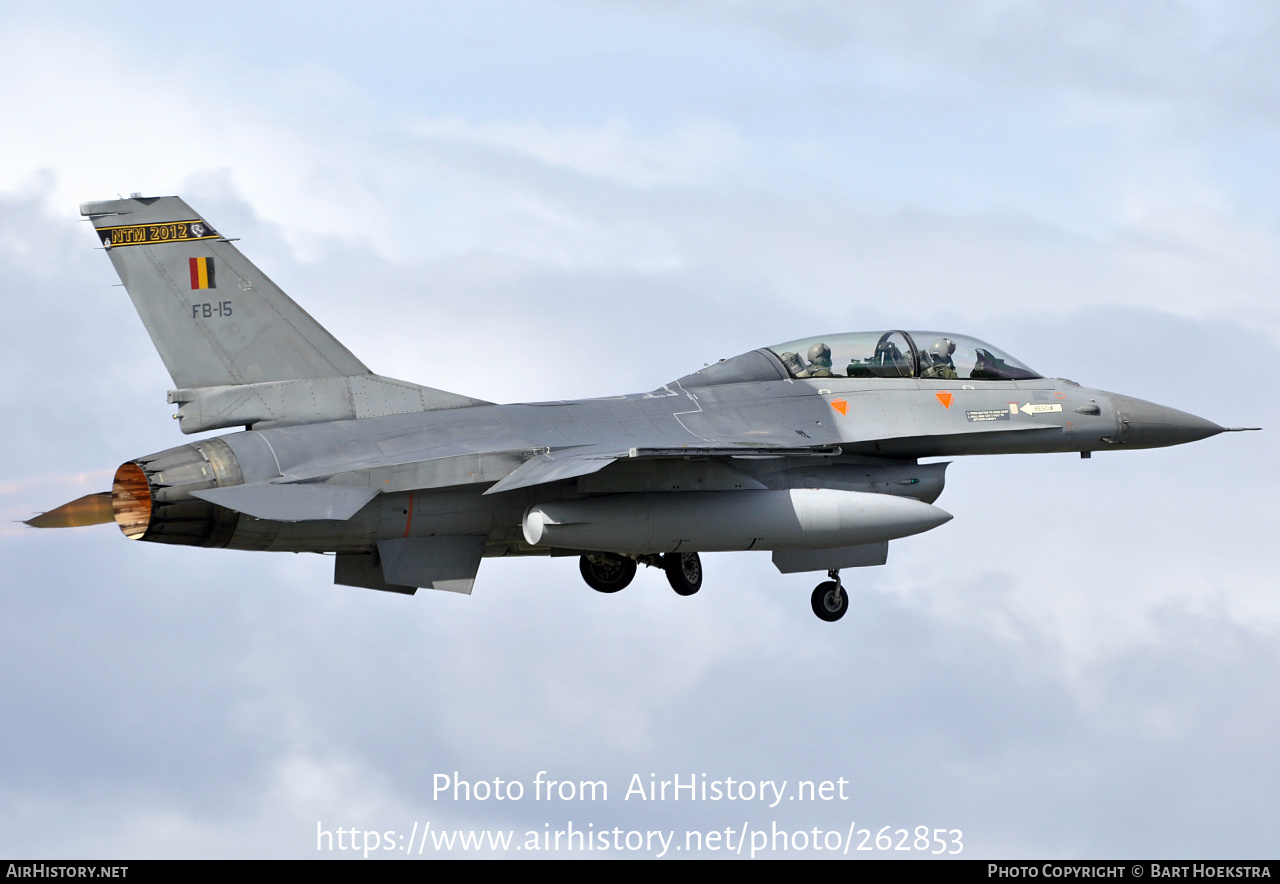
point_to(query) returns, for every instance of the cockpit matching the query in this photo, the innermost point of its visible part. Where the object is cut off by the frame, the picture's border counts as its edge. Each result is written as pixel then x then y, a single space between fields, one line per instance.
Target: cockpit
pixel 899 354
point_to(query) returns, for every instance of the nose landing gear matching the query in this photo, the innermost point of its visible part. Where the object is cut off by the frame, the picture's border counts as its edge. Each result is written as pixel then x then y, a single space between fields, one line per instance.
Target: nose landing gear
pixel 829 599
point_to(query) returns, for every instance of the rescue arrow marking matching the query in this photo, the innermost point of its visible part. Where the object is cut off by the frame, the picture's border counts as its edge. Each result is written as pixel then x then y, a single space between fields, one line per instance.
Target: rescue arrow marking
pixel 1039 407
pixel 944 397
pixel 840 405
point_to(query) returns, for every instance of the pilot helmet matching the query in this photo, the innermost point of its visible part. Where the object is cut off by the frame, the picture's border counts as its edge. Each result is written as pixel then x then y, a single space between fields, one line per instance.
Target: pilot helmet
pixel 942 348
pixel 820 354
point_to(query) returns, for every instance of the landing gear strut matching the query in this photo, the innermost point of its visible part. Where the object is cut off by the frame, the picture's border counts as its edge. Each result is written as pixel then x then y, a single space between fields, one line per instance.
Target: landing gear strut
pixel 684 572
pixel 606 572
pixel 829 599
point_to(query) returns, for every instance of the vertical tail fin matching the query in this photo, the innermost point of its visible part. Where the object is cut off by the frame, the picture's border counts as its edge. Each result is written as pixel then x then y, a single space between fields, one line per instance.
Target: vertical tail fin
pixel 240 351
pixel 215 318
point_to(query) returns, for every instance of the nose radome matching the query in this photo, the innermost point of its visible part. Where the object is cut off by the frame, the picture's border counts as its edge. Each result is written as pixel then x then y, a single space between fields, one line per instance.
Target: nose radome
pixel 1142 424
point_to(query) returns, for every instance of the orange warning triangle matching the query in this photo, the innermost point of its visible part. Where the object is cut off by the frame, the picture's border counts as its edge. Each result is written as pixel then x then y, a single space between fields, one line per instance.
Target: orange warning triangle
pixel 840 405
pixel 944 397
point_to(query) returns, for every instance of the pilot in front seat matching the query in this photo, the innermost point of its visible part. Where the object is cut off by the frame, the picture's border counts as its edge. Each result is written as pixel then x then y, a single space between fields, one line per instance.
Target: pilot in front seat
pixel 937 360
pixel 819 362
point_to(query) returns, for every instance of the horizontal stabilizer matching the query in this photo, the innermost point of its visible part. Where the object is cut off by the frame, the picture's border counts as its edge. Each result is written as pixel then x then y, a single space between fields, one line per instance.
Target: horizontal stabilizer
pixel 292 503
pixel 92 509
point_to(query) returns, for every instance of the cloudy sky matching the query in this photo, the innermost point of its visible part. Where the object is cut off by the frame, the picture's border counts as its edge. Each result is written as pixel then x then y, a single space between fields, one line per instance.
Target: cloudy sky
pixel 488 198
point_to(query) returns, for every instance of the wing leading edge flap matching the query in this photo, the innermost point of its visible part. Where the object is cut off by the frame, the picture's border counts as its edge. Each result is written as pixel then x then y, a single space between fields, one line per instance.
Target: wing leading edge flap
pixel 546 468
pixel 292 503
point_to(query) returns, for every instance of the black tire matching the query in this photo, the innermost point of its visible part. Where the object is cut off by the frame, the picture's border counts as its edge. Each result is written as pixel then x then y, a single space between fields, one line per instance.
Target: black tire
pixel 606 572
pixel 684 572
pixel 829 601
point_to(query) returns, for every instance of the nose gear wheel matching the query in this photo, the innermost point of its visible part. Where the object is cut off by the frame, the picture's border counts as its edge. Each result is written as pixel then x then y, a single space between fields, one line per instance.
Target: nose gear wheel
pixel 829 599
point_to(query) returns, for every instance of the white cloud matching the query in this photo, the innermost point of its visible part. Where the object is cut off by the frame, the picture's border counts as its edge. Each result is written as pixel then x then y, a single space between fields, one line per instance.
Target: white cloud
pixel 698 154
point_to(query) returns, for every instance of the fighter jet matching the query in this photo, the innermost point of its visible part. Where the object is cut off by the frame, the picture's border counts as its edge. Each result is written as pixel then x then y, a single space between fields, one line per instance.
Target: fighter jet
pixel 808 449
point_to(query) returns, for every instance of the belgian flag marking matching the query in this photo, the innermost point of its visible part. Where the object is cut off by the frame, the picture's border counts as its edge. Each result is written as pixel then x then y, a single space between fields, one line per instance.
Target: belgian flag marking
pixel 202 273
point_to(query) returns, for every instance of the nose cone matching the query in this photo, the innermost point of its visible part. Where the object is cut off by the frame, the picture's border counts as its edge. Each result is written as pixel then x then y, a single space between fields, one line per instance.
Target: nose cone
pixel 1141 424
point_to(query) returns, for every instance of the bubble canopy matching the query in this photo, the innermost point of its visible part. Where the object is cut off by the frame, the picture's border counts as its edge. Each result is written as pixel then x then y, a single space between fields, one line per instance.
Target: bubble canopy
pixel 899 354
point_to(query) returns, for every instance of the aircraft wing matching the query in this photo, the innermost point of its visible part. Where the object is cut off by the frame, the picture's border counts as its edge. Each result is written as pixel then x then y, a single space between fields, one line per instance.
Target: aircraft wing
pixel 554 466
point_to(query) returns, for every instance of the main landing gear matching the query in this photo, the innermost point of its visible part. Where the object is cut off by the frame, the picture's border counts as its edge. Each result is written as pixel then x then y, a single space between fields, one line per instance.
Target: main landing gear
pixel 829 598
pixel 684 572
pixel 608 572
pixel 605 572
